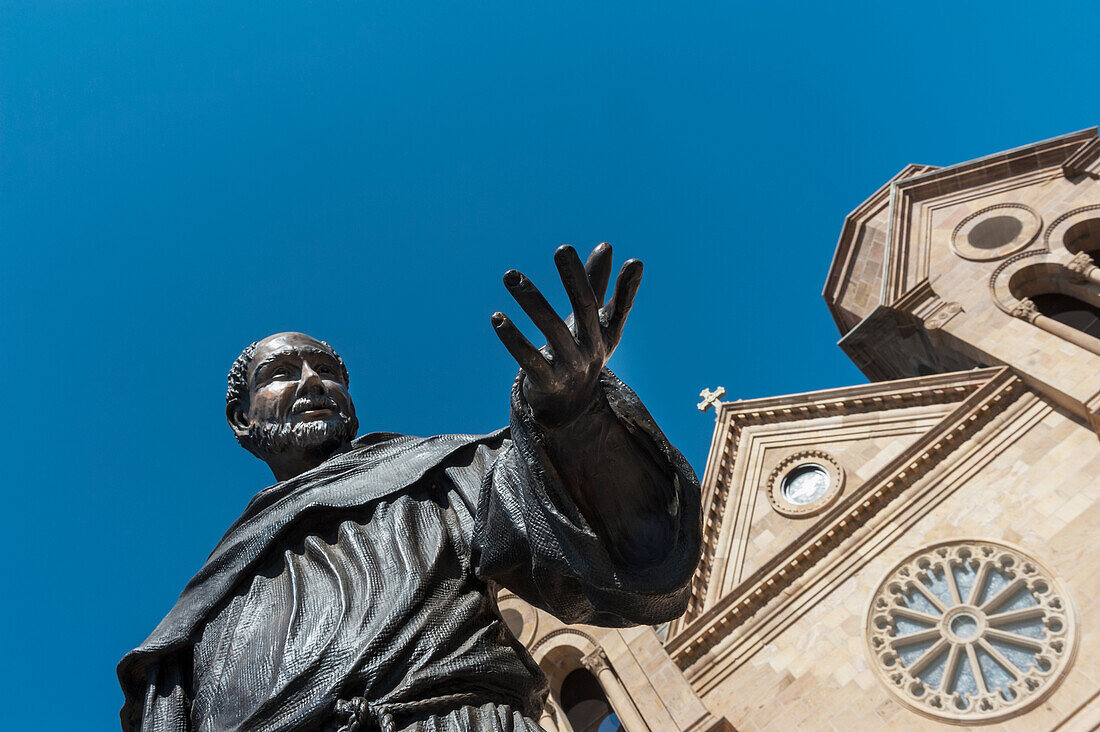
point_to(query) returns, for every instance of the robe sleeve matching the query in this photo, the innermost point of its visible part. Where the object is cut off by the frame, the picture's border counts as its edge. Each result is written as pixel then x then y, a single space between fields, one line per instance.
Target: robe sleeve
pixel 166 707
pixel 532 536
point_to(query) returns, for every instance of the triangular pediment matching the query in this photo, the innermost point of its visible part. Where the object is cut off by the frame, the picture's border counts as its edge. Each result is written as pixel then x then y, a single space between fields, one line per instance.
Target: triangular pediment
pixel 851 449
pixel 872 435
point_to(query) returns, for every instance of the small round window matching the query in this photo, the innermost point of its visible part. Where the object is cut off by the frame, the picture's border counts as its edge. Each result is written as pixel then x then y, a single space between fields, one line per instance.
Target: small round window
pixel 806 484
pixel 995 231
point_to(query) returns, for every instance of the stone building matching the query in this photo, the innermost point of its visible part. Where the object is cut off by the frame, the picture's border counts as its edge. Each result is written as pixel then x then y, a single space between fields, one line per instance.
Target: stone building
pixel 913 552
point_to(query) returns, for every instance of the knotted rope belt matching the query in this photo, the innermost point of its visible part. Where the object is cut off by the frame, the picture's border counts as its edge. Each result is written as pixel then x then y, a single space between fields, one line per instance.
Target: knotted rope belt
pixel 360 715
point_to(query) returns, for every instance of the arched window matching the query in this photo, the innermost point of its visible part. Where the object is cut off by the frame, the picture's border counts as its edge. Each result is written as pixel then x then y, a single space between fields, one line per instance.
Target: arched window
pixel 1069 311
pixel 1062 299
pixel 586 705
pixel 1084 236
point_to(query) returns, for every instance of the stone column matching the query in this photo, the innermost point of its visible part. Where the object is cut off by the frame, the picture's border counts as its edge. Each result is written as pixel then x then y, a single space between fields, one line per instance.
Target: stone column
pixel 553 719
pixel 628 714
pixel 1026 310
pixel 548 721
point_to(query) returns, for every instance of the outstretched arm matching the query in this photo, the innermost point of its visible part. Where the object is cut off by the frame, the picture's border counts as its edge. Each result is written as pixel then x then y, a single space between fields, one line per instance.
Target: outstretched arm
pixel 604 505
pixel 586 442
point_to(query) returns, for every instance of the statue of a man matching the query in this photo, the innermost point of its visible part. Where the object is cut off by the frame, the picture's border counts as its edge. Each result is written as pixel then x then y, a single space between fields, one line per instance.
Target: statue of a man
pixel 358 592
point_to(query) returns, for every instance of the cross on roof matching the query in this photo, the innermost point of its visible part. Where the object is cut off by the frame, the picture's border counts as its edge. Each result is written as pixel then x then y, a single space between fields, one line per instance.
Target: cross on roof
pixel 711 398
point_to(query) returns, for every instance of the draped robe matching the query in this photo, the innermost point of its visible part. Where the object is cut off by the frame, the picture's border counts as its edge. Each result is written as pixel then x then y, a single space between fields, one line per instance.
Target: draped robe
pixel 372 576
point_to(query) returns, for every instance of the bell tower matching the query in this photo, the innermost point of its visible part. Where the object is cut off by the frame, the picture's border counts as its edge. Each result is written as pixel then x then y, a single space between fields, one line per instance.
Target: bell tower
pixel 987 263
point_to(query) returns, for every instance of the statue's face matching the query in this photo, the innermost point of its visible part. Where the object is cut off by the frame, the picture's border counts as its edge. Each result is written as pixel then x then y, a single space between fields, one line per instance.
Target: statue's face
pixel 297 397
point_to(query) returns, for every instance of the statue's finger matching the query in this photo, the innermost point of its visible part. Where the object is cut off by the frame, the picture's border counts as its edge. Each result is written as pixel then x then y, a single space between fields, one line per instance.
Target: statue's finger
pixel 622 299
pixel 529 358
pixel 586 311
pixel 598 269
pixel 558 335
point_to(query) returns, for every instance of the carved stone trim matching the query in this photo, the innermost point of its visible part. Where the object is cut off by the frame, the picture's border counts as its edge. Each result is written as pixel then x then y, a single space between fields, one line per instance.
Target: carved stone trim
pixel 596 661
pixel 939 318
pixel 557 633
pixel 971 631
pixel 998 281
pixel 1030 225
pixel 702 630
pixel 1057 229
pixel 788 465
pixel 709 723
pixel 528 617
pixel 942 389
pixel 1086 161
pixel 913 199
pixel 1080 266
pixel 1025 310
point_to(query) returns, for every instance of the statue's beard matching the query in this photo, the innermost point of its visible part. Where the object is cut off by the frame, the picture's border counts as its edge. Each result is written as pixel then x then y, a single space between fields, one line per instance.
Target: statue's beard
pixel 318 437
pixel 275 437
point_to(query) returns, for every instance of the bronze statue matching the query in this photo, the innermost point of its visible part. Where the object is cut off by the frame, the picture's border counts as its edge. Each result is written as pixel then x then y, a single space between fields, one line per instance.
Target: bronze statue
pixel 358 592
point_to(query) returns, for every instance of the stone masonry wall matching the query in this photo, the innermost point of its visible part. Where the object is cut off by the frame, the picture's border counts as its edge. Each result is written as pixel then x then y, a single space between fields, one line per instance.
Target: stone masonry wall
pixel 1042 494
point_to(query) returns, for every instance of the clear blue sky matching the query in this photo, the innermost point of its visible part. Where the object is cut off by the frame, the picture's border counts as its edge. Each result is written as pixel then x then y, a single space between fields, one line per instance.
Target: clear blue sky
pixel 176 181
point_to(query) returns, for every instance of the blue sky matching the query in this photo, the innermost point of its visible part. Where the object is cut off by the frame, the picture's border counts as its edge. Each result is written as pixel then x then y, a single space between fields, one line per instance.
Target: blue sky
pixel 179 180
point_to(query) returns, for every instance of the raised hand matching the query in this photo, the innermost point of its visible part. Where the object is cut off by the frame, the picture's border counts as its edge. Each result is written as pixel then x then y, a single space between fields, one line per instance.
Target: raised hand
pixel 563 375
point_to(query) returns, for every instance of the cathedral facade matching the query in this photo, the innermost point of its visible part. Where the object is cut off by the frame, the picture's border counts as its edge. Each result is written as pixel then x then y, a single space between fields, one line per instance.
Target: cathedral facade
pixel 918 552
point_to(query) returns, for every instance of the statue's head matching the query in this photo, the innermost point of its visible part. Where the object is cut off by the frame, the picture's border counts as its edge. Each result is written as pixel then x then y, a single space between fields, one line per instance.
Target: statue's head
pixel 288 402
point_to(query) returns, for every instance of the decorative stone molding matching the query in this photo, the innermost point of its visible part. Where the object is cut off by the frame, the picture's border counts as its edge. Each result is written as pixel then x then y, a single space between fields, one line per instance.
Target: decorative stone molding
pixel 986 398
pixel 596 661
pixel 736 416
pixel 560 632
pixel 942 315
pixel 1056 232
pixel 1080 266
pixel 914 200
pixel 996 231
pixel 522 619
pixel 1092 409
pixel 710 723
pixel 1025 310
pixel 800 461
pixel 971 632
pixel 1002 276
pixel 1085 161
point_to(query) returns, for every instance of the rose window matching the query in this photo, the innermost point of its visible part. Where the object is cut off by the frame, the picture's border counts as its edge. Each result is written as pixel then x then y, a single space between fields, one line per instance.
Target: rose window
pixel 971 632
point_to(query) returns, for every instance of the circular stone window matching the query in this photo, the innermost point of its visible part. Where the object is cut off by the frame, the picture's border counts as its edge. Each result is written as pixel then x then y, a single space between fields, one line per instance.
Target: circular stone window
pixel 995 232
pixel 971 632
pixel 804 483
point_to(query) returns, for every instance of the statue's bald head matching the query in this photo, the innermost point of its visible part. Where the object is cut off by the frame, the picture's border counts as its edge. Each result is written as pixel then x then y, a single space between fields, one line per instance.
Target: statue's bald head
pixel 287 402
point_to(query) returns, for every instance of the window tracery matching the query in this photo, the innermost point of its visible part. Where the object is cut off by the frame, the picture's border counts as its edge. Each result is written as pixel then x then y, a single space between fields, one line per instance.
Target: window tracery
pixel 971 632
